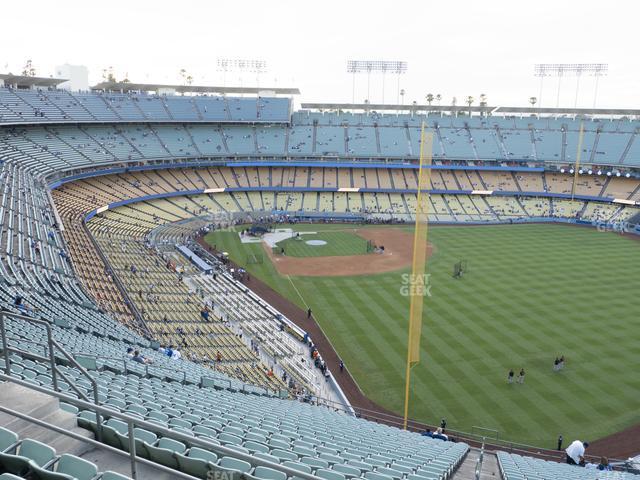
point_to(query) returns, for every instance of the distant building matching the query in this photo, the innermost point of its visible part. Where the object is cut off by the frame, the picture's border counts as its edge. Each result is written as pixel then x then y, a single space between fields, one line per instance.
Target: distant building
pixel 78 76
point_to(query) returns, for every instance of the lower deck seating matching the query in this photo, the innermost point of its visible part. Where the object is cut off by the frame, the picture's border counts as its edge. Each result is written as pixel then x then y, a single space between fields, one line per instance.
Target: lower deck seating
pixel 517 467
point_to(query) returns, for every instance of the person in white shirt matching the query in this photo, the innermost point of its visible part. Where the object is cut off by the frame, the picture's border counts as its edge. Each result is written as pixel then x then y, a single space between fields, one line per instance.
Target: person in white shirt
pixel 575 452
pixel 176 354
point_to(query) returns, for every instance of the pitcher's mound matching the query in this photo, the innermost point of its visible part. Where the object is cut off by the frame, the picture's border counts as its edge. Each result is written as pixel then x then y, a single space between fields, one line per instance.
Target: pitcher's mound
pixel 397 254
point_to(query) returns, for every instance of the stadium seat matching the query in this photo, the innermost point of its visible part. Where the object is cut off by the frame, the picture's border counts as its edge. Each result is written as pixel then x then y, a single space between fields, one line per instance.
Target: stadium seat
pixel 65 468
pixel 8 440
pixel 197 462
pixel 164 451
pixel 28 453
pixel 265 473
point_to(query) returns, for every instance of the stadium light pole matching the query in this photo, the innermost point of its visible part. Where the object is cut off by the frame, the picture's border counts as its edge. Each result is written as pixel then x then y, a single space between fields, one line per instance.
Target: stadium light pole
pixel 600 70
pixel 561 69
pixel 241 65
pixel 374 66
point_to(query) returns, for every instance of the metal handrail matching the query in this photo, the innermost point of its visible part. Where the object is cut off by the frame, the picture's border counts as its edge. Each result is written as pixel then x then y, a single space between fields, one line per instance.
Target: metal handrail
pixel 93 442
pixel 51 342
pixel 154 427
pixel 478 470
pixel 394 420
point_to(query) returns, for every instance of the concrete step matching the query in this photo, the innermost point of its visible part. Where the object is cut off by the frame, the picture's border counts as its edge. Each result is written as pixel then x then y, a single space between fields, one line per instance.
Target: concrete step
pixel 490 470
pixel 467 470
pixel 45 408
pixel 24 400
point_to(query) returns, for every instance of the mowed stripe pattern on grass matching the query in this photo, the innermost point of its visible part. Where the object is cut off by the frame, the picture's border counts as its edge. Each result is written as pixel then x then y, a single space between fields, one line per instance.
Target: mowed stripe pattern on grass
pixel 532 292
pixel 338 244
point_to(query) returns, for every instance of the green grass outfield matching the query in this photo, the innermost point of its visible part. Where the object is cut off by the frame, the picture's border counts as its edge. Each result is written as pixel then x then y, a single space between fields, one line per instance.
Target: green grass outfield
pixel 339 243
pixel 532 292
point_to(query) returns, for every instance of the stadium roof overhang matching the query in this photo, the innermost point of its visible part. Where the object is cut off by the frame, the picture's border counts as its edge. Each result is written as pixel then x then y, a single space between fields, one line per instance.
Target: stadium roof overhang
pixel 23 81
pixel 160 88
pixel 379 107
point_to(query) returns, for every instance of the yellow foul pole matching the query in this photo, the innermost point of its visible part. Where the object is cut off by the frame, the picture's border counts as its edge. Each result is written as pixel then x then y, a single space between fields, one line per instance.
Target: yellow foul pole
pixel 578 155
pixel 417 281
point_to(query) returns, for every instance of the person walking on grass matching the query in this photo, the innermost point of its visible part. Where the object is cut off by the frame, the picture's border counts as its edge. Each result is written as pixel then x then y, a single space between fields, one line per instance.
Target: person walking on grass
pixel 510 376
pixel 521 377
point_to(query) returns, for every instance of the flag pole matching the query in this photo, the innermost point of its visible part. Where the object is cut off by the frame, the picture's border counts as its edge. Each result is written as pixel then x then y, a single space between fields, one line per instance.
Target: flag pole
pixel 417 279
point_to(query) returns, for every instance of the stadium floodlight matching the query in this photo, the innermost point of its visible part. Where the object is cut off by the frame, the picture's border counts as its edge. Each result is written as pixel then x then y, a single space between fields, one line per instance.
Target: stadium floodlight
pixel 394 67
pixel 574 69
pixel 241 65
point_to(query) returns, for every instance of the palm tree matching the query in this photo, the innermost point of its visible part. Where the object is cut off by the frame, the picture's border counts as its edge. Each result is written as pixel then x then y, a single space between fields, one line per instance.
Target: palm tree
pixel 429 98
pixel 470 101
pixel 533 101
pixel 438 98
pixel 29 70
pixel 107 75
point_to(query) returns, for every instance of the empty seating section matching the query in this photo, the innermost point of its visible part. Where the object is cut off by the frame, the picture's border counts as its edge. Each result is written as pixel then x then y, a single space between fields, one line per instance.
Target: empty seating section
pixel 294 434
pixel 33 459
pixel 42 106
pixel 169 308
pixel 91 193
pixel 517 467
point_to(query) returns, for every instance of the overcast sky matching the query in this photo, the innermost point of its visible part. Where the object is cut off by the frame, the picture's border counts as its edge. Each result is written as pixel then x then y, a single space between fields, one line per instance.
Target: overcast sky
pixel 453 47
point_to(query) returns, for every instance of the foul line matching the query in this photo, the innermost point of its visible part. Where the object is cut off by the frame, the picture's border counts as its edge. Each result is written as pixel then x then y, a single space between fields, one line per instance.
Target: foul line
pixel 297 291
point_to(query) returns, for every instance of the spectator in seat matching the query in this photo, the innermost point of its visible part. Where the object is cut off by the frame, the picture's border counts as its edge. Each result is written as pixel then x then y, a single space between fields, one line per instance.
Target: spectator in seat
pixel 575 452
pixel 439 435
pixel 138 357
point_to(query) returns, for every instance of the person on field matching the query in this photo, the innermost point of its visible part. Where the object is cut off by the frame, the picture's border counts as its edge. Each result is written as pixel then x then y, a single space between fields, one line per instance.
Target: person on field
pixel 556 364
pixel 575 452
pixel 510 376
pixel 521 376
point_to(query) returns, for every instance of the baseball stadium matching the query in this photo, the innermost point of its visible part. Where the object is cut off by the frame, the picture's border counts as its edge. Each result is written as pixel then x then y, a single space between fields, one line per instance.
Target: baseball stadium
pixel 234 283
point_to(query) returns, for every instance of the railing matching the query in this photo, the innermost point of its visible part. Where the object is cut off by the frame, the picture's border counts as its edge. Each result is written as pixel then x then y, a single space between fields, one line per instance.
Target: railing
pixel 116 279
pixel 367 414
pixel 152 427
pixel 51 359
pixel 478 470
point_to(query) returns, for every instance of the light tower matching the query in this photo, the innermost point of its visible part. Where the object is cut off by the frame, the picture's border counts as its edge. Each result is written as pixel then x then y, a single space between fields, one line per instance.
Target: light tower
pixel 576 69
pixel 378 66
